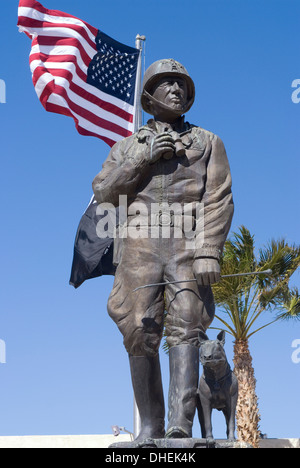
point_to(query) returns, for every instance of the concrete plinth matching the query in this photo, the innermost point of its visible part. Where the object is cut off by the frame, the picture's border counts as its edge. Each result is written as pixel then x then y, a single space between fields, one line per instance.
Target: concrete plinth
pixel 105 441
pixel 61 441
pixel 187 443
pixel 279 443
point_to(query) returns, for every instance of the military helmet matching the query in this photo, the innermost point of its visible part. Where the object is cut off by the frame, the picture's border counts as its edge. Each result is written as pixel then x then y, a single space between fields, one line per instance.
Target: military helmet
pixel 159 69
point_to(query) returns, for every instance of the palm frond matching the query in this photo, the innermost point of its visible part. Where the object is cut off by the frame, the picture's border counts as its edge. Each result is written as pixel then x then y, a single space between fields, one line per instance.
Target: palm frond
pixel 281 258
pixel 244 299
pixel 290 305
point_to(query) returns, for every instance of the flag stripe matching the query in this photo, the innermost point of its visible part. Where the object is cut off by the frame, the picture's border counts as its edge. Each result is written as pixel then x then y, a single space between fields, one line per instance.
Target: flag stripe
pixel 56 103
pixel 46 51
pixel 46 28
pixel 63 42
pixel 46 54
pixel 56 51
pixel 75 102
pixel 37 7
pixel 63 32
pixel 63 48
pixel 64 37
pixel 60 61
pixel 79 79
pixel 83 126
pixel 48 94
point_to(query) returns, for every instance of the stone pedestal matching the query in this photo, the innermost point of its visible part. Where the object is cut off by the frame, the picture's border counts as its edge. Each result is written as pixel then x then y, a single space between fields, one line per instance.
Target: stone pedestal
pixel 178 444
pixel 109 441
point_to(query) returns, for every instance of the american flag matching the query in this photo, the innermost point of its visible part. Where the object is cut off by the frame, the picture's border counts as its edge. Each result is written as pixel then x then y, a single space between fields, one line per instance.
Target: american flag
pixel 81 72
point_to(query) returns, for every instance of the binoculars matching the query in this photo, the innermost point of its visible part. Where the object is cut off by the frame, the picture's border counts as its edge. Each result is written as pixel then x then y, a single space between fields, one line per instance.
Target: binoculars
pixel 179 148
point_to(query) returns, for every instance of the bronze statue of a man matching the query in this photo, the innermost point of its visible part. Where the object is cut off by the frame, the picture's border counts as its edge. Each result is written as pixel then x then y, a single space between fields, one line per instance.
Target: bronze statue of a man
pixel 168 162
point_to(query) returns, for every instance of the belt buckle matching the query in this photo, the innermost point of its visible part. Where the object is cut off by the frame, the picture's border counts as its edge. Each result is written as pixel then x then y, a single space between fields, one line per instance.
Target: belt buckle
pixel 166 218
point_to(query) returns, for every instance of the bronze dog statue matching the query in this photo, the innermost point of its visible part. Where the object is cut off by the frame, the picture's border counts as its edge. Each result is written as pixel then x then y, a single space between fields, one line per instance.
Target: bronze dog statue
pixel 218 387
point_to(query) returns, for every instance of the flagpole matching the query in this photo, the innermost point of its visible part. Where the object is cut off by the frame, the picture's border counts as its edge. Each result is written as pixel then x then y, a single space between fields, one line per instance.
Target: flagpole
pixel 138 89
pixel 137 124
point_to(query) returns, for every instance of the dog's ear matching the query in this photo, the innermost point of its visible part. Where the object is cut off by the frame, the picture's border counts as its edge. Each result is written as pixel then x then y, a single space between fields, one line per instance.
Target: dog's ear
pixel 221 337
pixel 202 337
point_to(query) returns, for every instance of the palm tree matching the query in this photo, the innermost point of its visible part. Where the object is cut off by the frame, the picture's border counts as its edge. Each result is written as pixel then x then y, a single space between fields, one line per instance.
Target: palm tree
pixel 242 300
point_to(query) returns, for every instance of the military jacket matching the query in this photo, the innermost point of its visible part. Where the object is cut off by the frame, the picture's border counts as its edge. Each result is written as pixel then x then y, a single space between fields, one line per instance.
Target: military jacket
pixel 202 175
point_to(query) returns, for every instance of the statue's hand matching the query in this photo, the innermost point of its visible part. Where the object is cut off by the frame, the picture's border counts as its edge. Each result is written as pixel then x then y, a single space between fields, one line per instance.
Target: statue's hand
pixel 206 271
pixel 161 145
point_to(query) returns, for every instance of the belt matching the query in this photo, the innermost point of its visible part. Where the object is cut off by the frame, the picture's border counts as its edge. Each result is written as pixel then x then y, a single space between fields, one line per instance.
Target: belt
pixel 164 218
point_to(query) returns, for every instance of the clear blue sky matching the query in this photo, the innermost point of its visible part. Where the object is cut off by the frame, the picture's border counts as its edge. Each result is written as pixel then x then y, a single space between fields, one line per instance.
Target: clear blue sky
pixel 66 369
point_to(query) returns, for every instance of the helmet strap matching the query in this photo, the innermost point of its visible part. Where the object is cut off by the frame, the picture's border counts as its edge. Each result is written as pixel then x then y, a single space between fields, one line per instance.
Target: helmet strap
pixel 162 106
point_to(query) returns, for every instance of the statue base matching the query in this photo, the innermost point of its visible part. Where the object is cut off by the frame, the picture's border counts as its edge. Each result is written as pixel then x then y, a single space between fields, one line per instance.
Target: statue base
pixel 188 443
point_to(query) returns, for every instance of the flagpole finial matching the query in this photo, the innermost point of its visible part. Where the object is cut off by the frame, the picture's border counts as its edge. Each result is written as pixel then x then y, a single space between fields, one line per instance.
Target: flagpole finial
pixel 138 40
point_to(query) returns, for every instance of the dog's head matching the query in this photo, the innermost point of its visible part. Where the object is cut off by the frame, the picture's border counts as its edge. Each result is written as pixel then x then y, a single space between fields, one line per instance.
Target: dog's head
pixel 212 353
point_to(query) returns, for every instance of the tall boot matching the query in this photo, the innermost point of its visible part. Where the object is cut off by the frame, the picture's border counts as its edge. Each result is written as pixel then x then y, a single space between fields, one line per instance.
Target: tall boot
pixel 184 378
pixel 148 392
